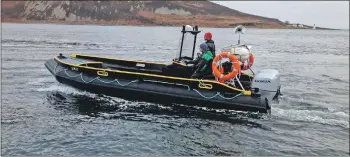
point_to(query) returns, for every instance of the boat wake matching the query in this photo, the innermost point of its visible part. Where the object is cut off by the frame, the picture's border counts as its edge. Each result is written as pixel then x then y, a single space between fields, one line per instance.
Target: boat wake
pixel 332 78
pixel 297 111
pixel 57 87
pixel 107 107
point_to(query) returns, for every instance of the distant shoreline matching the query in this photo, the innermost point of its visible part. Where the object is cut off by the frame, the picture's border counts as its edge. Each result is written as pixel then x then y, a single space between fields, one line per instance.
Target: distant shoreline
pixel 124 23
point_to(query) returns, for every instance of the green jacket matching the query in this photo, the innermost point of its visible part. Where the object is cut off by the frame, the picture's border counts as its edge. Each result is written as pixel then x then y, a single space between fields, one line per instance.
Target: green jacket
pixel 203 62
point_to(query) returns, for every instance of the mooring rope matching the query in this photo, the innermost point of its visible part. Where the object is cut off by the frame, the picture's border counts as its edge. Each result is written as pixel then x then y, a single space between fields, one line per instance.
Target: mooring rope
pixel 134 81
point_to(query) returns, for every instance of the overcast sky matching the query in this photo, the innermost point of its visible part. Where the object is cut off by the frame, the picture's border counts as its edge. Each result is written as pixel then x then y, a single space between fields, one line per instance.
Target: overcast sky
pixel 330 14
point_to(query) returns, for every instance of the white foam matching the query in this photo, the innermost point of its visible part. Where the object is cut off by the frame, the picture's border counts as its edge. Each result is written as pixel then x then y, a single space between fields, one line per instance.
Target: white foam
pixel 337 118
pixel 65 89
pixel 134 104
pixel 113 100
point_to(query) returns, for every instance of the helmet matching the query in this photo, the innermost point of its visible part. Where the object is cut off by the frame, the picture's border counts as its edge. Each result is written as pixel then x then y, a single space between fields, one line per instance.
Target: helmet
pixel 208 35
pixel 203 46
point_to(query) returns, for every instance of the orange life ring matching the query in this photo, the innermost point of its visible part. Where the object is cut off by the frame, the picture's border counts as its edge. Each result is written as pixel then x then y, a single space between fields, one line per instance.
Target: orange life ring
pixel 250 62
pixel 235 65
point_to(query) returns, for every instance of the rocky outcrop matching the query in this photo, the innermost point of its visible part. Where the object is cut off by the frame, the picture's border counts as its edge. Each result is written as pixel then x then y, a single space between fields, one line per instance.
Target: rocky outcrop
pixel 203 13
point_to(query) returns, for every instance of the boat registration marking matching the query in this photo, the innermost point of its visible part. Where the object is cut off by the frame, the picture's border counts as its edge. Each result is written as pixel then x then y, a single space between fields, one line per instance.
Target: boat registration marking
pixel 74 68
pixel 140 65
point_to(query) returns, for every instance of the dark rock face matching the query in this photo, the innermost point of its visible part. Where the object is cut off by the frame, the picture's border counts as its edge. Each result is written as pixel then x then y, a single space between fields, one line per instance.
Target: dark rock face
pixel 131 12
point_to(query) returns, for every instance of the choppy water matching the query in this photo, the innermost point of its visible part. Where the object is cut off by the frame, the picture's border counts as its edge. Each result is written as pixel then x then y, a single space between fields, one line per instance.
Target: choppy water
pixel 39 116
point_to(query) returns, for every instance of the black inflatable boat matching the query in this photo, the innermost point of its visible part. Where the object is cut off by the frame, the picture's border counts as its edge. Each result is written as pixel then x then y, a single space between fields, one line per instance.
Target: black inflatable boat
pixel 165 83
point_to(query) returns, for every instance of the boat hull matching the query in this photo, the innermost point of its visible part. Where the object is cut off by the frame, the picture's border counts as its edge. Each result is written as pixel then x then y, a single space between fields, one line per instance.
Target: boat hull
pixel 155 91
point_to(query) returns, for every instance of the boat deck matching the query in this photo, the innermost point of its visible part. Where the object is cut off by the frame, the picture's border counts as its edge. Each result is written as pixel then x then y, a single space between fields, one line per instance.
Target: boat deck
pixel 110 65
pixel 135 66
pixel 76 61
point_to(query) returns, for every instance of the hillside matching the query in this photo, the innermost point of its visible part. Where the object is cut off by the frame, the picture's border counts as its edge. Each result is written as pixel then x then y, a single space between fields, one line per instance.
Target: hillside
pixel 169 13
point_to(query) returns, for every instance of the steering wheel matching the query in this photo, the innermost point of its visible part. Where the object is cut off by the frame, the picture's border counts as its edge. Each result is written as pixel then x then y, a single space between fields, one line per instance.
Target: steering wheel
pixel 184 59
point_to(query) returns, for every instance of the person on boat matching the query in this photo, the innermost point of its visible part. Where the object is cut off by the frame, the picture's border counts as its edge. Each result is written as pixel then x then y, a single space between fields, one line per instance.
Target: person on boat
pixel 201 63
pixel 208 40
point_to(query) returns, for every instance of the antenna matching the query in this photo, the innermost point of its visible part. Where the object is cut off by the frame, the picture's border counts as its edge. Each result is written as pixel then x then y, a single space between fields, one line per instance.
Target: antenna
pixel 239 30
pixel 239 38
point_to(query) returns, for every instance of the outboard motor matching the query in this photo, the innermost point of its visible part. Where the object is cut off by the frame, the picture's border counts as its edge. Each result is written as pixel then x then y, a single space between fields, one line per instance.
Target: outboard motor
pixel 268 83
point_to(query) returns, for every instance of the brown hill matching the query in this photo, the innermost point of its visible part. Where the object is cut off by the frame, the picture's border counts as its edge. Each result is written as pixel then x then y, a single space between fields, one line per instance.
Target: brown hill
pixel 132 13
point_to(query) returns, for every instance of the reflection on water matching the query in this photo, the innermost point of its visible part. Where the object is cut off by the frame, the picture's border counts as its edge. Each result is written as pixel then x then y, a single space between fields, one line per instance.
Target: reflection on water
pixel 109 108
